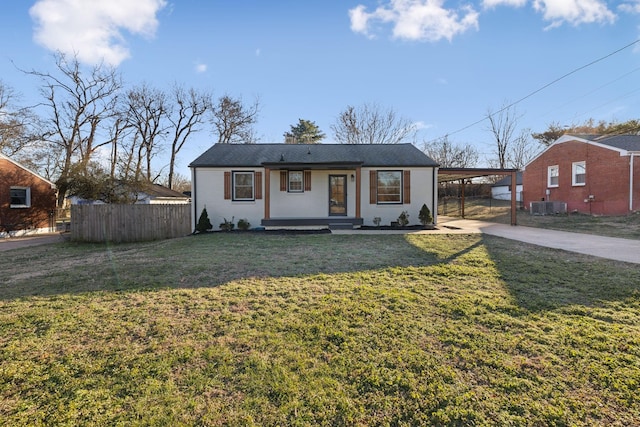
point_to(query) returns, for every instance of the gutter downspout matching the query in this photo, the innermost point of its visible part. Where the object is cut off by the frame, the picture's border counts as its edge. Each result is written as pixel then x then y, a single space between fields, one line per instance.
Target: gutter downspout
pixel 434 195
pixel 631 182
pixel 193 199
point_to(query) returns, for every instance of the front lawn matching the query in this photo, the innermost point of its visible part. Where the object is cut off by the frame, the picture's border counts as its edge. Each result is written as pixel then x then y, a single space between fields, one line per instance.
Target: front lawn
pixel 233 329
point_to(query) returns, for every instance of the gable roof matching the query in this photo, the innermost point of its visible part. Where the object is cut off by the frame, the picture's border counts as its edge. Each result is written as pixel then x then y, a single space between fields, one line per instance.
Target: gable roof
pixel 623 144
pixel 617 142
pixel 162 192
pixel 10 160
pixel 507 180
pixel 313 155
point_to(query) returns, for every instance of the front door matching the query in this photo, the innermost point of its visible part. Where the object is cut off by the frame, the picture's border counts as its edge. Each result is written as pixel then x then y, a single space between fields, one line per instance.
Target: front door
pixel 337 195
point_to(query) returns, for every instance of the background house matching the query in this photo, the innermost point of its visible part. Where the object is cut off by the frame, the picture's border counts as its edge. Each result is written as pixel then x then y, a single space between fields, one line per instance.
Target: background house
pixel 501 190
pixel 27 200
pixel 285 185
pixel 592 174
pixel 147 194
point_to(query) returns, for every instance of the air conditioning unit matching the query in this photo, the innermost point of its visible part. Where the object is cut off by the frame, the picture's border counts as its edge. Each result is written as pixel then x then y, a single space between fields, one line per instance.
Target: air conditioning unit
pixel 547 208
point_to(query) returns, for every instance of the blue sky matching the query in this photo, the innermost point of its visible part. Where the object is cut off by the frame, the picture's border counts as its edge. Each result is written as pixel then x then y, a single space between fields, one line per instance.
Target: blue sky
pixel 441 64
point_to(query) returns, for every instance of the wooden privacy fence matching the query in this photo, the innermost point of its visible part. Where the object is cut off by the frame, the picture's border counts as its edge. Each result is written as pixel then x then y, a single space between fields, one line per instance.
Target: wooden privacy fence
pixel 129 223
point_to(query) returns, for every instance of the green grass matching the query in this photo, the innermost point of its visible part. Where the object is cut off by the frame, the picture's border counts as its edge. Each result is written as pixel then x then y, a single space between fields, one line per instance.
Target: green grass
pixel 232 329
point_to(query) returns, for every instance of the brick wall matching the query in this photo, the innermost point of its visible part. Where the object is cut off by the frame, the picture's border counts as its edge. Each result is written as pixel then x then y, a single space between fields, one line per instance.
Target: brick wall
pixel 607 179
pixel 43 198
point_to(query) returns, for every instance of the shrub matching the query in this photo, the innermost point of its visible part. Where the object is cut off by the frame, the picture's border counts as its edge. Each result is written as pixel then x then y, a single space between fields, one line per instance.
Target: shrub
pixel 227 225
pixel 203 224
pixel 425 215
pixel 403 219
pixel 243 224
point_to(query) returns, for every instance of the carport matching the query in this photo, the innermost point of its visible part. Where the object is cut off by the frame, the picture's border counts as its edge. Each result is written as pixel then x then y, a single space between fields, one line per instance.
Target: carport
pixel 455 174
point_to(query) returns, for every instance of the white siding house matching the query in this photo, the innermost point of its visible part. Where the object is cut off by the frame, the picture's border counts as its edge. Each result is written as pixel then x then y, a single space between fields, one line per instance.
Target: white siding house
pixel 314 185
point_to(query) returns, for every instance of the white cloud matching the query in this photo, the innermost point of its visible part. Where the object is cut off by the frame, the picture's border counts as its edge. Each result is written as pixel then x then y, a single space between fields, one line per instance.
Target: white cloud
pixel 489 4
pixel 425 20
pixel 93 29
pixel 630 7
pixel 201 68
pixel 574 12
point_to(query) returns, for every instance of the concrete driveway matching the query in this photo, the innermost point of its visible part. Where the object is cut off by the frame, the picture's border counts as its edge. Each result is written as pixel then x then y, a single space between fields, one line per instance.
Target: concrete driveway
pixel 626 250
pixel 618 249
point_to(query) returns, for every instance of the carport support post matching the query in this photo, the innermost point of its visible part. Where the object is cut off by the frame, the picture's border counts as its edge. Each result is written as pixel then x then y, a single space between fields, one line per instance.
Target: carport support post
pixel 514 195
pixel 462 199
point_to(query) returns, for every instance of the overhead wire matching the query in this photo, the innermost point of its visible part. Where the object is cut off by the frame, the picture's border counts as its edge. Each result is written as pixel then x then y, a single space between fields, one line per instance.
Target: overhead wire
pixel 540 89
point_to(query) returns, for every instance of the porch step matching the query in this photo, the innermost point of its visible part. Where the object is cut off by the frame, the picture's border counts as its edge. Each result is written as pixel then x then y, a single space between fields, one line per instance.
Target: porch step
pixel 340 226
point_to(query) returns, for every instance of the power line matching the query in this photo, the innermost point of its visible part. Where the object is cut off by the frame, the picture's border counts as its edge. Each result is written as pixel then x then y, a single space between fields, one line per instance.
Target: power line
pixel 540 89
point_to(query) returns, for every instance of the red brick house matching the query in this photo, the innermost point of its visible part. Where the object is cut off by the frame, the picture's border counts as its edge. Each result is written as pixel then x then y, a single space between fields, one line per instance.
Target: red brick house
pixel 592 174
pixel 27 200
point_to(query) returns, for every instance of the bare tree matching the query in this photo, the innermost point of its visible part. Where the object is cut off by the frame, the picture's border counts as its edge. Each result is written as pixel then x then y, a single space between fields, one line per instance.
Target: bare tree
pixel 146 111
pixel 450 155
pixel 18 125
pixel 502 125
pixel 233 120
pixel 370 124
pixel 185 117
pixel 79 104
pixel 522 150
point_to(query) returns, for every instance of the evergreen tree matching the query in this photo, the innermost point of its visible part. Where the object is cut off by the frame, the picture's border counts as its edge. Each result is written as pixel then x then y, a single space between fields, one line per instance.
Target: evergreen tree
pixel 425 215
pixel 203 222
pixel 305 132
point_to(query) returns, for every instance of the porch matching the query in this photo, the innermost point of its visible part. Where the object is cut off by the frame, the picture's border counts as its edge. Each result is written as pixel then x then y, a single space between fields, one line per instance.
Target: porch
pixel 337 222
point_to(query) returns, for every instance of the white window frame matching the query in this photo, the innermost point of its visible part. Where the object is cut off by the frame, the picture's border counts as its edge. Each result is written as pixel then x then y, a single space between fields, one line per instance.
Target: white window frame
pixel 27 203
pixel 295 182
pixel 551 174
pixel 236 186
pixel 575 174
pixel 400 187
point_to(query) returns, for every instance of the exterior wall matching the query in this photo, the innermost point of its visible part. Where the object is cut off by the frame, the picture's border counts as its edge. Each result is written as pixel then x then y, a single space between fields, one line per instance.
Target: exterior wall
pixel 422 192
pixel 39 215
pixel 504 193
pixel 208 190
pixel 606 179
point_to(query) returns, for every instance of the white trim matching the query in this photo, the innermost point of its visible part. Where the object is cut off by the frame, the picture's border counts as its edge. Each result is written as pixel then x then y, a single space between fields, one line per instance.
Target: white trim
pixel 549 168
pixel 574 167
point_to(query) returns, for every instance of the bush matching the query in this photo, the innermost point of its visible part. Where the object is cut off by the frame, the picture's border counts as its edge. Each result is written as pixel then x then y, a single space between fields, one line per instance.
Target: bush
pixel 243 224
pixel 403 219
pixel 425 215
pixel 227 225
pixel 203 224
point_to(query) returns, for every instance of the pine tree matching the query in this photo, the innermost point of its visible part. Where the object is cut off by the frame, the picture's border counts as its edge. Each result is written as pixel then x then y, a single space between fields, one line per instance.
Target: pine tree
pixel 203 222
pixel 425 215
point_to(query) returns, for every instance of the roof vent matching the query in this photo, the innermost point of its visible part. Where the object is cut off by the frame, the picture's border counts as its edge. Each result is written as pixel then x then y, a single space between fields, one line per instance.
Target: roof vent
pixel 282 157
pixel 308 150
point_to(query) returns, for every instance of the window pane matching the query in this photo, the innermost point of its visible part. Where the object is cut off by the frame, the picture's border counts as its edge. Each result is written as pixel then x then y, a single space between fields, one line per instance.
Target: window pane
pixel 295 180
pixel 243 186
pixel 389 187
pixel 579 174
pixel 18 196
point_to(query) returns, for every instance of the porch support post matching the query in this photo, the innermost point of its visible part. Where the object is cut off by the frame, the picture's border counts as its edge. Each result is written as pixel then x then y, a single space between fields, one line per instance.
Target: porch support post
pixel 514 195
pixel 358 191
pixel 267 193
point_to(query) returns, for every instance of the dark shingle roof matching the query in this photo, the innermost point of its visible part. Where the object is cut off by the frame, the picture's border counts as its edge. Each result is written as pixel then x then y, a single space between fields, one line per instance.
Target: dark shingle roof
pixel 507 180
pixel 257 155
pixel 621 142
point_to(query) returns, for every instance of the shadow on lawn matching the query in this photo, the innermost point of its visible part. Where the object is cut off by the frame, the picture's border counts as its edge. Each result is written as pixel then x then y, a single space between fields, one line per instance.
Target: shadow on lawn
pixel 538 278
pixel 545 279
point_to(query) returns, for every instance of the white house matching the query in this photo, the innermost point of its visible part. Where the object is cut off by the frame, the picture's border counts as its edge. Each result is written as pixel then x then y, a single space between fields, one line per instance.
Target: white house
pixel 501 190
pixel 312 185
